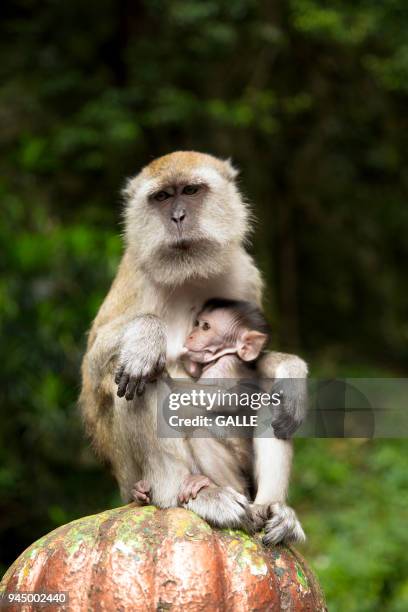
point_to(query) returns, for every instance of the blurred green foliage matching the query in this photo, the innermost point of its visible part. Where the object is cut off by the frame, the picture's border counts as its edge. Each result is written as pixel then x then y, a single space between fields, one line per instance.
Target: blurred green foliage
pixel 309 98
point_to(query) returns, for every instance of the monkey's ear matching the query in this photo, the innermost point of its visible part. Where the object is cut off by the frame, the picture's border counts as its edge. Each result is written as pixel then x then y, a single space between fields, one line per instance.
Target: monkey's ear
pixel 230 171
pixel 251 344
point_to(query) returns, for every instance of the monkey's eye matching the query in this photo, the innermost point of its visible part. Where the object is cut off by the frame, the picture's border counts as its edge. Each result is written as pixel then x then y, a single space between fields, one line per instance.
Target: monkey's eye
pixel 206 326
pixel 190 189
pixel 196 323
pixel 161 195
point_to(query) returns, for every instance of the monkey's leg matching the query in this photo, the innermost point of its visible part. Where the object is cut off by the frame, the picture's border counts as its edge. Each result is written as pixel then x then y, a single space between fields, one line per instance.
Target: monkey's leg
pixel 128 475
pixel 223 503
pixel 168 469
pixel 219 506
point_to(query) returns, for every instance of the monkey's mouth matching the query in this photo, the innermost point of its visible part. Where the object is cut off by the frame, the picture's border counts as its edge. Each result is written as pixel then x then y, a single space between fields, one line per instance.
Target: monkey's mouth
pixel 181 245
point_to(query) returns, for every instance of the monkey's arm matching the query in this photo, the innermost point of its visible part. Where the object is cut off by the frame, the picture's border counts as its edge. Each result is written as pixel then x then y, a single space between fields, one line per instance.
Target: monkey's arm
pixel 142 356
pixel 125 338
pixel 289 373
pixel 137 348
pixel 273 459
pixel 273 451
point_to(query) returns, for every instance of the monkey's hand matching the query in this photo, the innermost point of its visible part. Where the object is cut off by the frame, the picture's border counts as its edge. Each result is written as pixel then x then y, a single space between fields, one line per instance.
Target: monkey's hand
pixel 280 522
pixel 191 485
pixel 289 373
pixel 142 357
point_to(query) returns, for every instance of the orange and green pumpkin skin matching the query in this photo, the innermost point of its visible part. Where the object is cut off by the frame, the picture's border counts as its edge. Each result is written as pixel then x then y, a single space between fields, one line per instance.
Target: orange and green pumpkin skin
pixel 145 559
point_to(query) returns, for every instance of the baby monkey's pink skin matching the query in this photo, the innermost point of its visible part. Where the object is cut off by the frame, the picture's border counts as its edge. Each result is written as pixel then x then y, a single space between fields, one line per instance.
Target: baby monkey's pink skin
pixel 190 487
pixel 192 484
pixel 141 492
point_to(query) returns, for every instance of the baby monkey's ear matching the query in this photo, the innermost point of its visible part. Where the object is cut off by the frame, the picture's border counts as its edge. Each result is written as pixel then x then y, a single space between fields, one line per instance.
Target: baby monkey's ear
pixel 251 344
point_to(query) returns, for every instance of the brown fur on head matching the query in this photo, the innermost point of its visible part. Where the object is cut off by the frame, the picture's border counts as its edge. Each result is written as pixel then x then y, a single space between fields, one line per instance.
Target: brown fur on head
pixel 175 235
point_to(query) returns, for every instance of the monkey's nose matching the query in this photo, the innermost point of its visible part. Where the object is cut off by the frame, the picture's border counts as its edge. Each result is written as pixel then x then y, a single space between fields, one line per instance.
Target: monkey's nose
pixel 178 216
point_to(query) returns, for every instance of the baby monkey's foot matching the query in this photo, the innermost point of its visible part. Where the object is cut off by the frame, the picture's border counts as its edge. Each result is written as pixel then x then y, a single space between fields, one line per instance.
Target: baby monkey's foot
pixel 141 492
pixel 191 485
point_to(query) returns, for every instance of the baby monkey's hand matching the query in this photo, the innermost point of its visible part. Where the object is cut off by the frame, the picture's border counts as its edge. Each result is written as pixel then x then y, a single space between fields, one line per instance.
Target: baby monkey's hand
pixel 141 492
pixel 191 485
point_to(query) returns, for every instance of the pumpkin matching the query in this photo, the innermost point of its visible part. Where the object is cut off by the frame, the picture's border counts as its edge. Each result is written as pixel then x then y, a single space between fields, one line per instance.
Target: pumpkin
pixel 145 559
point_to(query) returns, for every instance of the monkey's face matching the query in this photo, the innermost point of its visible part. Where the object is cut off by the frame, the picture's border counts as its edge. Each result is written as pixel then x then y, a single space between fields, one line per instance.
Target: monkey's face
pixel 178 206
pixel 183 215
pixel 212 331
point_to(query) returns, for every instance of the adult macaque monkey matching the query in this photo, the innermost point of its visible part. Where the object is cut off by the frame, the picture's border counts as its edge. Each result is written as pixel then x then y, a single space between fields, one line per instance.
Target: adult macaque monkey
pixel 186 224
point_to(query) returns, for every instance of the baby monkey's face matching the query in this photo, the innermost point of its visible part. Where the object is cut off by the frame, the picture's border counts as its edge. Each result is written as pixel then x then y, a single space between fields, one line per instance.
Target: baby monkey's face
pixel 211 331
pixel 219 332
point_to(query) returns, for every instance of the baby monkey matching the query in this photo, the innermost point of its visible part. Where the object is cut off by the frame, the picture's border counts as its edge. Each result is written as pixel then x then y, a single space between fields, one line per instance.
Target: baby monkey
pixel 227 338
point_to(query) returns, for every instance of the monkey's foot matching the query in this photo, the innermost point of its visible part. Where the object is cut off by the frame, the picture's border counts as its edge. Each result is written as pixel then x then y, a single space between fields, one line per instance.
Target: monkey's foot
pixel 223 507
pixel 191 485
pixel 282 526
pixel 141 492
pixel 260 514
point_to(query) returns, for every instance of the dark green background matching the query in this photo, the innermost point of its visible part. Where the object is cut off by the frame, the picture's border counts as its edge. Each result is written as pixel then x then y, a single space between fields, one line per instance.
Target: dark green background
pixel 310 99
